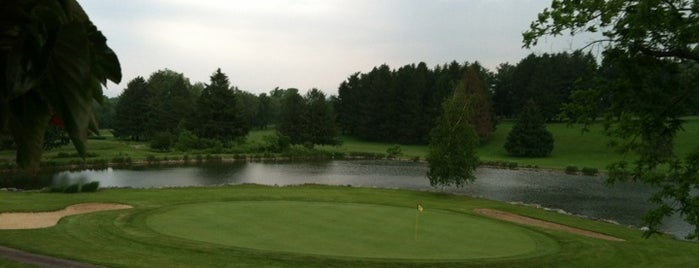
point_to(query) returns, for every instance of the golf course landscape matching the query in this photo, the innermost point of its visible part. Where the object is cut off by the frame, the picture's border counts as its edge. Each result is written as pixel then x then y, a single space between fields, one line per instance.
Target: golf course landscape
pixel 322 226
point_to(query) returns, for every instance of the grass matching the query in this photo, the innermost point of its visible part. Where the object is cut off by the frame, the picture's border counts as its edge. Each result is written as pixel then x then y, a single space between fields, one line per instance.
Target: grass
pixel 572 148
pixel 229 225
pixel 347 230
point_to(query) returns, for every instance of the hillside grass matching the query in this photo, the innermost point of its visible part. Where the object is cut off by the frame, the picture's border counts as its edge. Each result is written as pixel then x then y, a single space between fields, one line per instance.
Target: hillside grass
pixel 134 237
pixel 572 147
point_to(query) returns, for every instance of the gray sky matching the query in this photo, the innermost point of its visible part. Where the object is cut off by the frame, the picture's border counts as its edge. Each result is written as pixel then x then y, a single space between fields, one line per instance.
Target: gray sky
pixel 262 44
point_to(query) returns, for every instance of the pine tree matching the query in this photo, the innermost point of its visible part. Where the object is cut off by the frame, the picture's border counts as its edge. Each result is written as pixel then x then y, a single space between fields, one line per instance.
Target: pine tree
pixel 292 118
pixel 529 136
pixel 320 119
pixel 217 115
pixel 131 111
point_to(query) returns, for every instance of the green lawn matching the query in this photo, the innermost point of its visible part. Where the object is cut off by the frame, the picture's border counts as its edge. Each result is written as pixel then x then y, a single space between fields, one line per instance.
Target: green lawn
pixel 348 230
pixel 305 226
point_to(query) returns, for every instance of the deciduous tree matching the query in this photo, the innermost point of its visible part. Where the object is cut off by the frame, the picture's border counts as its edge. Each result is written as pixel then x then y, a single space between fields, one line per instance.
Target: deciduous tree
pixel 452 149
pixel 647 40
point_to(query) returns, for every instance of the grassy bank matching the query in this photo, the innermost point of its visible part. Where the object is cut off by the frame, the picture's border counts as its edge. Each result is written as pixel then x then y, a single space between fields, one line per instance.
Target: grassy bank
pixel 152 235
pixel 572 148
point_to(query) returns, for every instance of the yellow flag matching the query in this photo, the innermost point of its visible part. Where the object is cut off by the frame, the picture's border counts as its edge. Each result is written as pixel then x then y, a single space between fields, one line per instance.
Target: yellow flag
pixel 420 208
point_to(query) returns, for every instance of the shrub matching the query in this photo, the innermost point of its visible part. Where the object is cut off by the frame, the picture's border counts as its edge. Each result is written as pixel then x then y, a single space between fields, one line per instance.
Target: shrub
pixel 589 171
pixel 571 170
pixel 512 165
pixel 150 159
pixel 275 143
pixel 394 151
pixel 161 142
pixel 71 189
pixel 90 187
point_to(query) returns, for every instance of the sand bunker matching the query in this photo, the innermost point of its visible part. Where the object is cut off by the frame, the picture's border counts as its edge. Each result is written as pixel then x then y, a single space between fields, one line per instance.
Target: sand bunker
pixel 33 220
pixel 511 217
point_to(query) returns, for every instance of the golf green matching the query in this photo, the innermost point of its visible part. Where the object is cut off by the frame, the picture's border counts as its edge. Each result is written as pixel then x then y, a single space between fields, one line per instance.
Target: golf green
pixel 349 230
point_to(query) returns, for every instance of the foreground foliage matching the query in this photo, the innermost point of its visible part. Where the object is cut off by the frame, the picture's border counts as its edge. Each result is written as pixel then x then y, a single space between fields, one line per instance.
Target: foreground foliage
pixel 54 63
pixel 650 50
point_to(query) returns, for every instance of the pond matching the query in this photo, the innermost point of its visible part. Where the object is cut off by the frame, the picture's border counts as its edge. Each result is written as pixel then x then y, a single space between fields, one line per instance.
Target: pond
pixel 624 202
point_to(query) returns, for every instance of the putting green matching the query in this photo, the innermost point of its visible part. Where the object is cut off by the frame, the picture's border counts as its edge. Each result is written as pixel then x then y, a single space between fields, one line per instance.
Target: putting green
pixel 349 230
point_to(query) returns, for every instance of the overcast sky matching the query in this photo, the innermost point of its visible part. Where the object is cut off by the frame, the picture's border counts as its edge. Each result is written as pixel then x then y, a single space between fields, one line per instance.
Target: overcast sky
pixel 263 44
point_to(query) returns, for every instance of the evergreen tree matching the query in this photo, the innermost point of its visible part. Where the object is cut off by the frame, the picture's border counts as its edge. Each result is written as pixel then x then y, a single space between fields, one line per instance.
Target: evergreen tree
pixel 216 115
pixel 264 114
pixel 320 119
pixel 529 136
pixel 452 149
pixel 482 116
pixel 131 110
pixel 292 117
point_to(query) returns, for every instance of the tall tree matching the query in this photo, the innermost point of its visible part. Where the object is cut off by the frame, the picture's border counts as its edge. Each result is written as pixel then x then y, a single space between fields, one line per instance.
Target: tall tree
pixel 529 136
pixel 451 153
pixel 104 113
pixel 482 111
pixel 216 115
pixel 247 105
pixel 264 114
pixel 647 39
pixel 55 62
pixel 172 101
pixel 132 109
pixel 548 79
pixel 292 117
pixel 503 91
pixel 320 119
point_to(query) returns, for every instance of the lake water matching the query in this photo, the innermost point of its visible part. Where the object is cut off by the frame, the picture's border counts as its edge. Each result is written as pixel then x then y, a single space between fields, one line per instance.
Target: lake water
pixel 624 202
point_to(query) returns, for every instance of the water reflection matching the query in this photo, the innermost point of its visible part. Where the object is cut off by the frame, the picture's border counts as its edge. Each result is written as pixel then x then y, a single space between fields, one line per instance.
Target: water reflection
pixel 625 202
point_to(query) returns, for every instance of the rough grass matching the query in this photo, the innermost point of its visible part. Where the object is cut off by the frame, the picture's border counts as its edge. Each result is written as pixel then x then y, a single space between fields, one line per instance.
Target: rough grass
pixel 127 238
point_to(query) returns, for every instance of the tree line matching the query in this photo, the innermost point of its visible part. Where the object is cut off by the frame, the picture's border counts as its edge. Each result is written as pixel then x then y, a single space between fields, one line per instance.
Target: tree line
pixel 171 112
pixel 384 105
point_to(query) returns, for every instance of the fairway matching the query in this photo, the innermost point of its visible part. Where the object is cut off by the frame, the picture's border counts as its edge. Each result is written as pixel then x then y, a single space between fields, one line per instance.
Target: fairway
pixel 349 230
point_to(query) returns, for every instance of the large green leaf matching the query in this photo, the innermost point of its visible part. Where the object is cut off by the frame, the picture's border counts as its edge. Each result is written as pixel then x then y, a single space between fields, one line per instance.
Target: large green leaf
pixel 27 122
pixel 55 63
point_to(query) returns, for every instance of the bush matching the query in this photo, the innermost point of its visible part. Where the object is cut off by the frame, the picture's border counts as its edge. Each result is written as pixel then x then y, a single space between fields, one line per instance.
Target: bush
pixel 572 170
pixel 90 187
pixel 589 171
pixel 76 188
pixel 121 159
pixel 161 142
pixel 151 159
pixel 394 151
pixel 71 189
pixel 275 143
pixel 512 165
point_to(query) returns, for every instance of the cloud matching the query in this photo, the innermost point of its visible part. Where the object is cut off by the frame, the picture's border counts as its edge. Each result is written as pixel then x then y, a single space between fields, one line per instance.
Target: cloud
pixel 268 43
